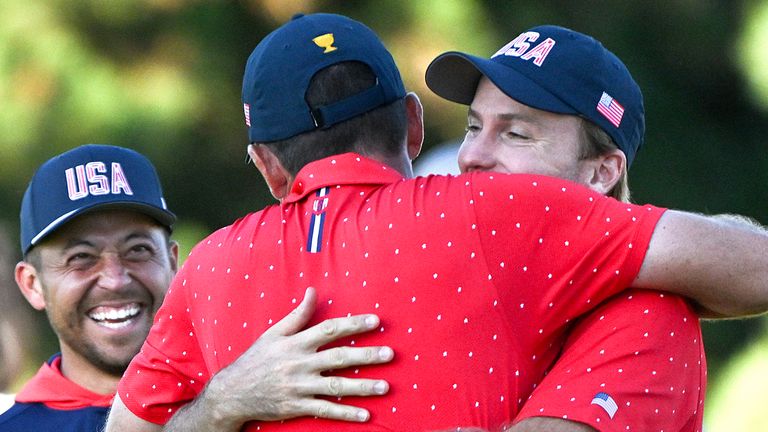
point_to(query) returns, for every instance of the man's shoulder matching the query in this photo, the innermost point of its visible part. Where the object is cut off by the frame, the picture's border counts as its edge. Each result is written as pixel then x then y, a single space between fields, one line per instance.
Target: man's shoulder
pixel 648 301
pixel 239 227
pixel 36 416
pixel 491 183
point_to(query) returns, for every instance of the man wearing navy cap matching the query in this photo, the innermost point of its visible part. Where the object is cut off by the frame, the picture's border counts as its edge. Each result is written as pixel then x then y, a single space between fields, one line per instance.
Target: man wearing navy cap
pixel 475 277
pixel 98 258
pixel 555 101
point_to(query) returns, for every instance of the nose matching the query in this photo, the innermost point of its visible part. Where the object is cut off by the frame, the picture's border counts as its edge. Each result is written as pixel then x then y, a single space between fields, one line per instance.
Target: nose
pixel 113 275
pixel 475 155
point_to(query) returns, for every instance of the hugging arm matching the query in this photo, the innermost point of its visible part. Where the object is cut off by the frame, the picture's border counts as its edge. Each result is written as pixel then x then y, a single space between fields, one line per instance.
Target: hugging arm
pixel 278 378
pixel 720 262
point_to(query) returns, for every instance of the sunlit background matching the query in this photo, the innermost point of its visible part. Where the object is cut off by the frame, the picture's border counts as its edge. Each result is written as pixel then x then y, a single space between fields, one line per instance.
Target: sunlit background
pixel 163 77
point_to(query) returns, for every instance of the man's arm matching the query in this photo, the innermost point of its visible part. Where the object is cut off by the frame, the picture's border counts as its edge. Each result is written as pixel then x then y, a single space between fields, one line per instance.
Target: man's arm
pixel 122 419
pixel 719 262
pixel 538 424
pixel 278 377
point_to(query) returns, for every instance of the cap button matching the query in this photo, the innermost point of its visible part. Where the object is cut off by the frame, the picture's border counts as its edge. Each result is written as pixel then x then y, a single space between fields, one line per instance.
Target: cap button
pixel 297 16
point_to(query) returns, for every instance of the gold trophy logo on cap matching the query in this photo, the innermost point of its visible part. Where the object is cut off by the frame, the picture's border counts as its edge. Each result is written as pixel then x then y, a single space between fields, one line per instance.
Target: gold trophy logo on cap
pixel 325 41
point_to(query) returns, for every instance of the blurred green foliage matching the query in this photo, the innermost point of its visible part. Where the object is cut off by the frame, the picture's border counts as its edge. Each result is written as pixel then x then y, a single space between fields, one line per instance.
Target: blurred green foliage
pixel 163 77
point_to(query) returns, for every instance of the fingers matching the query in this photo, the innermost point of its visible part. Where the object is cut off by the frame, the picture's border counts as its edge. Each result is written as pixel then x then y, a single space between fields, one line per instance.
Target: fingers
pixel 341 386
pixel 333 329
pixel 343 357
pixel 299 317
pixel 329 410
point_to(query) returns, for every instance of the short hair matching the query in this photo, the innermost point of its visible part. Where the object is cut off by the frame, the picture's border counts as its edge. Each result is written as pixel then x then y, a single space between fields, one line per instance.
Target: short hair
pixel 381 131
pixel 596 142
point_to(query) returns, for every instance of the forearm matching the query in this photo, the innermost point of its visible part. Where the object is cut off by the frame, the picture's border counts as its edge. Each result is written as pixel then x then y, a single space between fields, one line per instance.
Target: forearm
pixel 206 413
pixel 719 262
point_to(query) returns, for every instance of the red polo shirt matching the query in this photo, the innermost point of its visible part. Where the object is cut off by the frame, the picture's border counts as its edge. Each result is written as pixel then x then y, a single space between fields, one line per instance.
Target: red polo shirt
pixel 475 278
pixel 634 364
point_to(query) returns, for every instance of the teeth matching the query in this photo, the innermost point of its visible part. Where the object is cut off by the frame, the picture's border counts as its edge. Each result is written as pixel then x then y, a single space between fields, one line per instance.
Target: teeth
pixel 115 314
pixel 116 325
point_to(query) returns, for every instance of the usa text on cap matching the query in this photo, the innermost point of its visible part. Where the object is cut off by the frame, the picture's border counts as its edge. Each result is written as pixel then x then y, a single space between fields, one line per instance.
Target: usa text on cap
pixel 553 69
pixel 86 178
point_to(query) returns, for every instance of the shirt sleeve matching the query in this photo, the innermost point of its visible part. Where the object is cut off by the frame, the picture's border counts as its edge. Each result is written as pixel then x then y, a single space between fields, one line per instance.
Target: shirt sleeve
pixel 169 370
pixel 562 248
pixel 636 363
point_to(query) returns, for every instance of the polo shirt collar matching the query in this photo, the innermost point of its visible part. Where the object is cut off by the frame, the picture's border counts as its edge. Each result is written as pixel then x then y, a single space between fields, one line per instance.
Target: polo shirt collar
pixel 343 169
pixel 54 390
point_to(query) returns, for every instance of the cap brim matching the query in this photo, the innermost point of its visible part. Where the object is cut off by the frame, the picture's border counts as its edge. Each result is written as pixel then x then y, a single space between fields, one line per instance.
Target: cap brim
pixel 163 217
pixel 455 76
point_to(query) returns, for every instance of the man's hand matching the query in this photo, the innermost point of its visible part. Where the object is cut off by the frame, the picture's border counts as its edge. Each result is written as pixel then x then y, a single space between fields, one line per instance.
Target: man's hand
pixel 279 376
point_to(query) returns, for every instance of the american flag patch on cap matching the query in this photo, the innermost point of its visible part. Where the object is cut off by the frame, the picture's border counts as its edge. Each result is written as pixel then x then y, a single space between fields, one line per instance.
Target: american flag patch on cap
pixel 610 109
pixel 247 111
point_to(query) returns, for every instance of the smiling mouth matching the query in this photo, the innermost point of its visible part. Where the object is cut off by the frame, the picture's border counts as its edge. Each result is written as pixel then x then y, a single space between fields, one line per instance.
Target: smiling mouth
pixel 115 317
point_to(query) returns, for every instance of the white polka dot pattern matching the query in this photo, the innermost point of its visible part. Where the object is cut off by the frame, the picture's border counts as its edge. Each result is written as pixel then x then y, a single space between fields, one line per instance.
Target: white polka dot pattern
pixel 472 336
pixel 658 382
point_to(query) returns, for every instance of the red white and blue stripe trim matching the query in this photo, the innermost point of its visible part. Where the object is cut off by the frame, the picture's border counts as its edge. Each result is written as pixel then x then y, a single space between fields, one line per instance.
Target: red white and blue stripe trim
pixel 315 237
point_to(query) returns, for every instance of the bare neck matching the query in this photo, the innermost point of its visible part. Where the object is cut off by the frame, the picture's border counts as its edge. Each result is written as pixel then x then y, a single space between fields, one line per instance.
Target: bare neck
pixel 85 374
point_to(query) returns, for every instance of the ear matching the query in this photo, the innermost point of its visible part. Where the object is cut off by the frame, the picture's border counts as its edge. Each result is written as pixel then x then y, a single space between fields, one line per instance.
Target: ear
pixel 415 112
pixel 278 179
pixel 606 171
pixel 173 255
pixel 29 283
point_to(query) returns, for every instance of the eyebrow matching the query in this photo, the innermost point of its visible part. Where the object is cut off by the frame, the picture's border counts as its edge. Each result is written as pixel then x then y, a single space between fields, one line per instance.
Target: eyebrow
pixel 509 117
pixel 75 242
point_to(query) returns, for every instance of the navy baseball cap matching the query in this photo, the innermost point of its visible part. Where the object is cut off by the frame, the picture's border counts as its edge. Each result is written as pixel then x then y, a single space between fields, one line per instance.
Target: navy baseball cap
pixel 553 69
pixel 86 178
pixel 281 66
